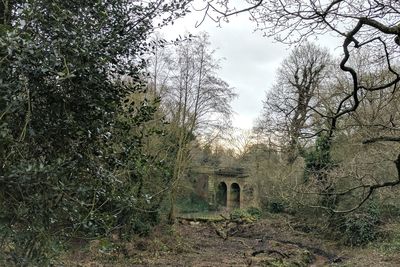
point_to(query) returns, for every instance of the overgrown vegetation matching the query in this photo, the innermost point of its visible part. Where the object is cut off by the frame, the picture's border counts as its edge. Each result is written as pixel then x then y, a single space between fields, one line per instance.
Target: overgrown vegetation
pixel 103 123
pixel 74 159
pixel 192 204
pixel 247 215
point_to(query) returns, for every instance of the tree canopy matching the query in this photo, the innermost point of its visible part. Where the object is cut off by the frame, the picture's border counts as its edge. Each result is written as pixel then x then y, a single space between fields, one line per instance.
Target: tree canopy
pixel 370 27
pixel 73 156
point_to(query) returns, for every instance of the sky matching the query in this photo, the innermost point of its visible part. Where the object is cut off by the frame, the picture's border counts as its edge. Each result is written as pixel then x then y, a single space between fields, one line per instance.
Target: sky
pixel 250 60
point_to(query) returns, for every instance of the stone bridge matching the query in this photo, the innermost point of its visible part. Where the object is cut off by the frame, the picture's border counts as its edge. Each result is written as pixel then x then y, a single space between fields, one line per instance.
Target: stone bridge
pixel 230 188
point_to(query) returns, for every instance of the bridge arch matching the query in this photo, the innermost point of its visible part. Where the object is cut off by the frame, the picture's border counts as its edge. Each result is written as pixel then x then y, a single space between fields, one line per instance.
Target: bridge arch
pixel 222 194
pixel 235 195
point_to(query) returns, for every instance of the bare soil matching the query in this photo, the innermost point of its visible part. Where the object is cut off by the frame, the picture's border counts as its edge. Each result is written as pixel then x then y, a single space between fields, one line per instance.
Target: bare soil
pixel 279 241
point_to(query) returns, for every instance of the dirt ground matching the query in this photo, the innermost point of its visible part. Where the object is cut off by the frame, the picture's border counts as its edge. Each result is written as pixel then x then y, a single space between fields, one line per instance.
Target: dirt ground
pixel 267 242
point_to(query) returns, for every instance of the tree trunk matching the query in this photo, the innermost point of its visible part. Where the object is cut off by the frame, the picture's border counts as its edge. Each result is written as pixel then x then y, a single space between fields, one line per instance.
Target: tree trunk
pixel 5 11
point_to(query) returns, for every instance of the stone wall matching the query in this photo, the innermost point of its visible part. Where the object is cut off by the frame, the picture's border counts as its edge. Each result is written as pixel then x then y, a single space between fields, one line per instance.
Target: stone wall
pixel 247 196
pixel 240 191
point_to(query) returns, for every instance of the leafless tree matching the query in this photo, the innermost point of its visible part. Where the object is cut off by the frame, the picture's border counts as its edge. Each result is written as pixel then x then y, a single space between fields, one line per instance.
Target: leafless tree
pixel 362 25
pixel 185 77
pixel 289 108
pixel 195 101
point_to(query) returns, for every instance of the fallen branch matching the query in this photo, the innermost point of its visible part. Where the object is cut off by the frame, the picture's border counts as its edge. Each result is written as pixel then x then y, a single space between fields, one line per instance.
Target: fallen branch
pixel 204 220
pixel 270 251
pixel 382 138
pixel 220 232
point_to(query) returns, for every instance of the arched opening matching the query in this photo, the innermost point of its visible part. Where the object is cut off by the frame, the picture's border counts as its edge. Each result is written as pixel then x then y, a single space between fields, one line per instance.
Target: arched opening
pixel 221 194
pixel 235 195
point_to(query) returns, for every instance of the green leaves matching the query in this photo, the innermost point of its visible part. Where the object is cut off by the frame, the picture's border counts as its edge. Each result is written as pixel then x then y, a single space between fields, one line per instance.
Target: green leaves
pixel 318 161
pixel 72 159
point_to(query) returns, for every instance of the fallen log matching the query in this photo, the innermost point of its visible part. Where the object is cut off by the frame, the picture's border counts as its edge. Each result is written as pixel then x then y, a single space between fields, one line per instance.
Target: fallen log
pixel 270 251
pixel 202 219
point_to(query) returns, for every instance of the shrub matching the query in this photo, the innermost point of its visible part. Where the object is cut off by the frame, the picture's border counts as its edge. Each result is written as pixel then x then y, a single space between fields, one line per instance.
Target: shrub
pixel 361 228
pixel 276 207
pixel 238 214
pixel 255 212
pixel 75 155
pixel 193 203
pixel 244 215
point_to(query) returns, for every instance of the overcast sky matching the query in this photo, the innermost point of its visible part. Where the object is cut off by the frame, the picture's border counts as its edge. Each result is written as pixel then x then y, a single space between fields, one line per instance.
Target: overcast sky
pixel 250 60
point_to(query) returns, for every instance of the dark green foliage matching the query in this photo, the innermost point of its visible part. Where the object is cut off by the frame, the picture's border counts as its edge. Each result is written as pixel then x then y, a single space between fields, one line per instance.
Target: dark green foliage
pixel 247 215
pixel 72 158
pixel 318 161
pixel 360 228
pixel 276 207
pixel 255 212
pixel 238 214
pixel 193 203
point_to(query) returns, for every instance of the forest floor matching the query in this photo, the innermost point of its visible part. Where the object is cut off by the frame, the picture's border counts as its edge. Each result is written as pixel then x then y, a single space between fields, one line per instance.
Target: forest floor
pixel 274 241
